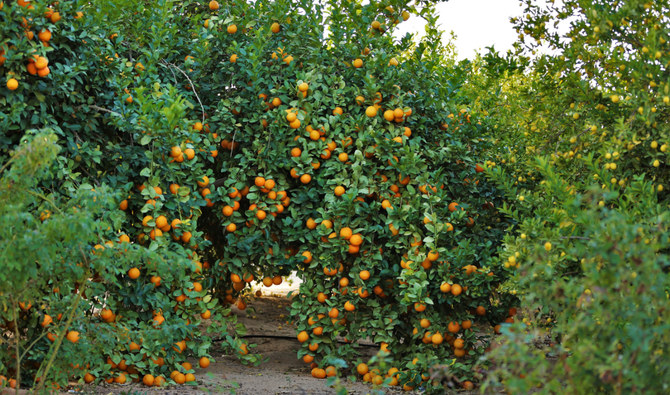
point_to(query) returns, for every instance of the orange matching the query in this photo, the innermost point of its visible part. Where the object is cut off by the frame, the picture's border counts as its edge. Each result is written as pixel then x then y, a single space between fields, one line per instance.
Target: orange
pixel 318 373
pixel 445 287
pixel 452 206
pixel 12 84
pixel 459 343
pixel 303 336
pixel 213 5
pixel 364 275
pixel 179 378
pixel 356 240
pixel 203 181
pixel 120 379
pixel 480 310
pixel 388 115
pixel 419 307
pixel 339 190
pixel 159 381
pixel 44 36
pixel 134 273
pixel 41 62
pixel 358 63
pixel 437 338
pixel 346 233
pixel 453 327
pixel 231 29
pixel 73 336
pixel 348 306
pixel 305 178
pixel 190 377
pixel 456 289
pixel 148 380
pixel 343 157
pixel 362 368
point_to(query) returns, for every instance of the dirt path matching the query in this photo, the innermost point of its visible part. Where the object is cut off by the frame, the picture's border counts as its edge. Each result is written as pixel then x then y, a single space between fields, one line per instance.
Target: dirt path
pixel 279 373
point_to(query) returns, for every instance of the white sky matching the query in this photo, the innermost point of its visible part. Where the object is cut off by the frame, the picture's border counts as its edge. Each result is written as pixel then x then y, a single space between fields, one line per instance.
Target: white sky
pixel 476 23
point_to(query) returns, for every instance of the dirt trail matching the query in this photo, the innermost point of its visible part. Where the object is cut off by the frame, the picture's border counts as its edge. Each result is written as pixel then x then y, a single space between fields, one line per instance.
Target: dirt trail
pixel 280 372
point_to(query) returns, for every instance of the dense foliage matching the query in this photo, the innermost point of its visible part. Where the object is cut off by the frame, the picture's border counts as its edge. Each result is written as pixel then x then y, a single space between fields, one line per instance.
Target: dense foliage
pixel 206 145
pixel 158 157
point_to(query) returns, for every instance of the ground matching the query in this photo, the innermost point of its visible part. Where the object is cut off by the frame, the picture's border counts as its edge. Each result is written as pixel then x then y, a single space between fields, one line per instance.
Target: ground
pixel 281 372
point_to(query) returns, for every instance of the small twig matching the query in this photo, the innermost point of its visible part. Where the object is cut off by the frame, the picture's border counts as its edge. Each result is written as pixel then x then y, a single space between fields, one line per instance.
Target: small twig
pixel 232 143
pixel 18 351
pixel 575 237
pixel 192 88
pixel 93 106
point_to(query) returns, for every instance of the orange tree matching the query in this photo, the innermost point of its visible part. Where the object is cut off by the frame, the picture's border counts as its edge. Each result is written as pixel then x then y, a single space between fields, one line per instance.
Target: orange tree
pixel 242 142
pixel 351 157
pixel 581 152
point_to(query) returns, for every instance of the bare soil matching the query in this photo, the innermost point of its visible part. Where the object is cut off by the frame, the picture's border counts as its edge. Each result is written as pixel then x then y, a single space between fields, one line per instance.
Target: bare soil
pixel 281 372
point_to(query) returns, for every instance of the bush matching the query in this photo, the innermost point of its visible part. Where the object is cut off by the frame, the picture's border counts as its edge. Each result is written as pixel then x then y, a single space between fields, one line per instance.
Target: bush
pixel 580 153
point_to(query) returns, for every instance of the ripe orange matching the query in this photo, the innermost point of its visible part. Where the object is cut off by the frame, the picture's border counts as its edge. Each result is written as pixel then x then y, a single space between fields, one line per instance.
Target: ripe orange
pixel 318 373
pixel 356 240
pixel 148 380
pixel 44 36
pixel 346 233
pixel 305 178
pixel 231 29
pixel 12 84
pixel 203 181
pixel 362 368
pixel 333 313
pixel 364 275
pixel 213 5
pixel 120 379
pixel 452 206
pixel 72 336
pixel 179 378
pixel 303 336
pixel 358 63
pixel 134 273
pixel 456 289
pixel 453 327
pixel 339 190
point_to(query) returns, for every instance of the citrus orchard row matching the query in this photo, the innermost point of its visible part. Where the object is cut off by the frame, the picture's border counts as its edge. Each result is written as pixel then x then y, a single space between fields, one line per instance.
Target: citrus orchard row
pixel 251 141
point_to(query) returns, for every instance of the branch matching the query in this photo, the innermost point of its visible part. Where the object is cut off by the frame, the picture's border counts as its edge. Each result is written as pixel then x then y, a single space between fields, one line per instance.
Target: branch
pixel 202 108
pixel 93 106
